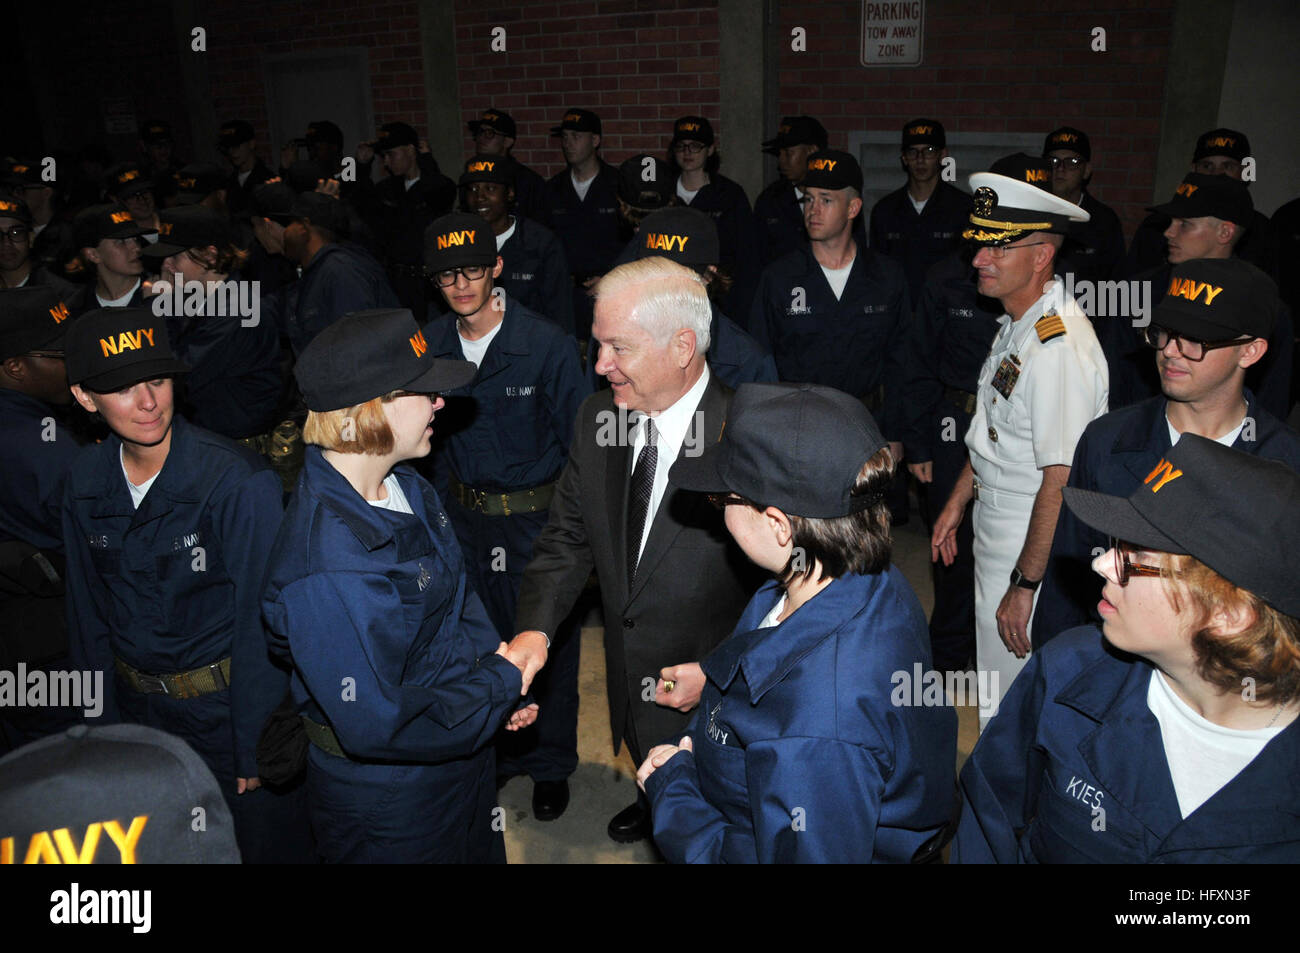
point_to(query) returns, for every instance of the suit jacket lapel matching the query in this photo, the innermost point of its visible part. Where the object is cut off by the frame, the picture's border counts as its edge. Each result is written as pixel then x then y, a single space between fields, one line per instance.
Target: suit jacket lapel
pixel 709 415
pixel 618 476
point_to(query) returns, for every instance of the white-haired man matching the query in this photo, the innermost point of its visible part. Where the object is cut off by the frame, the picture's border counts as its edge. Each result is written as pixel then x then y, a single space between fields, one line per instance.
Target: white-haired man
pixel 671 580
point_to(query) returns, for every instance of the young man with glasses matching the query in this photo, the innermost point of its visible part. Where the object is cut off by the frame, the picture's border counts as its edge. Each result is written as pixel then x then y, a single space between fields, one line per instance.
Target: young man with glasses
pixel 17 268
pixel 1042 382
pixel 1208 216
pixel 1095 250
pixel 1211 327
pixel 920 223
pixel 494 134
pixel 503 440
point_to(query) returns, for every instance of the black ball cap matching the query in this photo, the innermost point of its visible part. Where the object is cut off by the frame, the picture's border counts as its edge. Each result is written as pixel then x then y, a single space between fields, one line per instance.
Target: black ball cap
pixel 484 168
pixel 796 131
pixel 272 199
pixel 684 235
pixel 1217 299
pixel 457 240
pixel 198 180
pixel 1216 196
pixel 394 134
pixel 16 209
pixel 1236 512
pixel 646 182
pixel 111 348
pixel 693 129
pixel 189 226
pixel 1221 142
pixel 322 130
pixel 366 354
pixel 798 447
pixel 1020 165
pixel 496 120
pixel 94 224
pixel 234 132
pixel 829 169
pixel 1068 138
pixel 578 120
pixel 126 180
pixel 31 319
pixel 924 132
pixel 316 208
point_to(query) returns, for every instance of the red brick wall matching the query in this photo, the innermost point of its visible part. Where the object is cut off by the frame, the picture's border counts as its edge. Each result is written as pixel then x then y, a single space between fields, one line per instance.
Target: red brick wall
pixel 998 66
pixel 241 34
pixel 637 64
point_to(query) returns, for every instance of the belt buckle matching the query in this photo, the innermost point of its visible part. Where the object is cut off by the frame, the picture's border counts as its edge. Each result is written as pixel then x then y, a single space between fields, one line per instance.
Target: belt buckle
pixel 478 499
pixel 152 683
pixel 505 503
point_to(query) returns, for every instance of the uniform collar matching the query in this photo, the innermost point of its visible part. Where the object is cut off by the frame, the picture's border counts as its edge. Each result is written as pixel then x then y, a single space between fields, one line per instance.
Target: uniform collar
pixel 768 655
pixel 177 481
pixel 511 338
pixel 338 496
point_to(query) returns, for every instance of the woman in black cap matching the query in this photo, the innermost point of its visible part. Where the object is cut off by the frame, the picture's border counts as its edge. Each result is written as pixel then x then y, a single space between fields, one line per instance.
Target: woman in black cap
pixel 803 748
pixel 1170 736
pixel 399 676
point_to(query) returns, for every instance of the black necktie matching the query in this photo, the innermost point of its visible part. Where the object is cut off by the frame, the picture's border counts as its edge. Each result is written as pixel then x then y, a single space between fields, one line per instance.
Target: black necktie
pixel 643 483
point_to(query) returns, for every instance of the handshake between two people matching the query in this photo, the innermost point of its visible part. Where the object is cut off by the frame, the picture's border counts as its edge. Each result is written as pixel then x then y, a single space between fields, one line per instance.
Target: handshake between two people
pixel 678 686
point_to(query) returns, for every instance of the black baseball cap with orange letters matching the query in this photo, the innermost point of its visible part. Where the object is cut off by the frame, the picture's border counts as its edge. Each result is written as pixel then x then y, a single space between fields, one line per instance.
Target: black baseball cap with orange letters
pixel 829 169
pixel 797 131
pixel 32 318
pixel 367 354
pixel 94 224
pixel 485 168
pixel 110 348
pixel 1221 142
pixel 924 132
pixel 1213 196
pixel 692 128
pixel 1218 299
pixel 1234 511
pixel 1068 138
pixel 578 120
pixel 495 120
pixel 457 240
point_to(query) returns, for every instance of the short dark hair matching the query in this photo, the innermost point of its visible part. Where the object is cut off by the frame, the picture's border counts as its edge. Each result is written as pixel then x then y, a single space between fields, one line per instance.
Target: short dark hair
pixel 859 543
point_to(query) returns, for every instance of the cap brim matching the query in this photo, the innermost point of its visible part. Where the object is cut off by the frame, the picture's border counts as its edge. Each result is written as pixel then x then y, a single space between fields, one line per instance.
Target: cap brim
pixel 135 232
pixel 445 374
pixel 700 474
pixel 160 250
pixel 1193 327
pixel 121 377
pixel 1117 516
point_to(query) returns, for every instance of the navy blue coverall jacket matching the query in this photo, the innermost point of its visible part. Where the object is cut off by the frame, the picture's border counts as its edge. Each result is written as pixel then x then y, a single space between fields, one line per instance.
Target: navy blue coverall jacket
pixel 536 273
pixel 1072 769
pixel 32 470
pixel 176 584
pixel 1115 454
pixel 856 344
pixel 341 278
pixel 800 753
pixel 919 241
pixel 726 203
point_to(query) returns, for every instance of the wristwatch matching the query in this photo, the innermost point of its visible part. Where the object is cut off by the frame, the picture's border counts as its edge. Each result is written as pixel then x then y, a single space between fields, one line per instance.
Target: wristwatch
pixel 1018 579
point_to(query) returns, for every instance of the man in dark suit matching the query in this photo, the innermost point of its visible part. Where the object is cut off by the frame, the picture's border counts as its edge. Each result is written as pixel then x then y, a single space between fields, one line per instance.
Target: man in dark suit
pixel 672 582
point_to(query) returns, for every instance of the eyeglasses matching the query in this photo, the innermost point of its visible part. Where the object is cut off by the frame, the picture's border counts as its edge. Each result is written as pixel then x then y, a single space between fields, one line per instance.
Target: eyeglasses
pixel 688 147
pixel 15 235
pixel 1126 567
pixel 447 278
pixel 1190 348
pixel 486 132
pixel 998 252
pixel 921 152
pixel 1072 162
pixel 723 500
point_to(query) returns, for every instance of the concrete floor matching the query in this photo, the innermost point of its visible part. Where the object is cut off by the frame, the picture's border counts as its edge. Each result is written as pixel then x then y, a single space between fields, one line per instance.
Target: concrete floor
pixel 604 784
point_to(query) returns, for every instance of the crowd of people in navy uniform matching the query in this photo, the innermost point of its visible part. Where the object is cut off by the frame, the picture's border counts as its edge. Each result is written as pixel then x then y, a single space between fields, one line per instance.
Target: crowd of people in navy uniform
pixel 321 470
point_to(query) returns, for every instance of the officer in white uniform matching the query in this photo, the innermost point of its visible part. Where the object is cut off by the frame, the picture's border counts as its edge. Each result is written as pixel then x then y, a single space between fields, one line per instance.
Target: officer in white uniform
pixel 1044 380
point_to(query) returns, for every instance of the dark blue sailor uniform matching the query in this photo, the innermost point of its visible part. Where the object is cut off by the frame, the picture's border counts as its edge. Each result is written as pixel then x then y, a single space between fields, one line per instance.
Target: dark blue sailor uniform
pixel 779 219
pixel 800 752
pixel 919 241
pixel 340 278
pixel 536 274
pixel 856 344
pixel 1072 769
pixel 391 650
pixel 725 202
pixel 175 586
pixel 509 431
pixel 1115 455
pixel 588 229
pixel 36 455
pixel 1094 250
pixel 234 384
pixel 952 334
